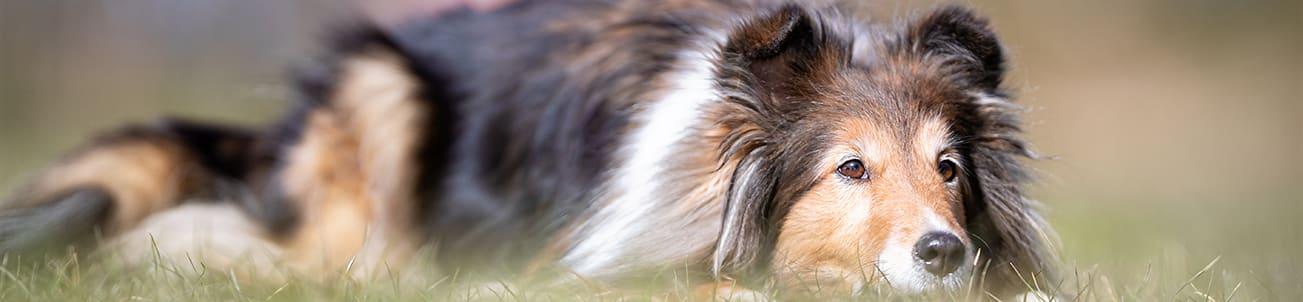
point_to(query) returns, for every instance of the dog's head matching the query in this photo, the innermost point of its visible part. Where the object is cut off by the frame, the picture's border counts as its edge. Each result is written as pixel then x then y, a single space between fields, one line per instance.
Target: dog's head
pixel 884 157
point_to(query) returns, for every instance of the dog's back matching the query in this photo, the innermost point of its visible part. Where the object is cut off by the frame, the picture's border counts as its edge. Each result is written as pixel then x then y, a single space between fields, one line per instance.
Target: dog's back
pixel 498 130
pixel 541 94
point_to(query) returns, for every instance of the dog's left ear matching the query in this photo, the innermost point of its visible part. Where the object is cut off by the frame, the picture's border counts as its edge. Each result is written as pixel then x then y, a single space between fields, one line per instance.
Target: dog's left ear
pixel 963 41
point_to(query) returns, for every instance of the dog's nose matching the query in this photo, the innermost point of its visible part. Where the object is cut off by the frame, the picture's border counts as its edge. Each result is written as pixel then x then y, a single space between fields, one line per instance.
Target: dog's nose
pixel 940 252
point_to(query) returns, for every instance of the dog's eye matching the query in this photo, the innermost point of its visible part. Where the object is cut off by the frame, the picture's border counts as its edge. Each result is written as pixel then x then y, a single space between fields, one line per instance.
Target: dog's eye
pixel 948 169
pixel 853 169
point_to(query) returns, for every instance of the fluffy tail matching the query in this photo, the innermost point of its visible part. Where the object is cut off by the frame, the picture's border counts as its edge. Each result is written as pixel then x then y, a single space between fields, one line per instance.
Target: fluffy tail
pixel 112 184
pixel 68 219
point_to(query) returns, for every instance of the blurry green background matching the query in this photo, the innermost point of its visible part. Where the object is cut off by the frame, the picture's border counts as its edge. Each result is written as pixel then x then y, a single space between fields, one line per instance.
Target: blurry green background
pixel 1176 124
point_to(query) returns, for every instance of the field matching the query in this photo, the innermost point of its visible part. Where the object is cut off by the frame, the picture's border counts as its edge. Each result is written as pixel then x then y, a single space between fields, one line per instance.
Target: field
pixel 1174 127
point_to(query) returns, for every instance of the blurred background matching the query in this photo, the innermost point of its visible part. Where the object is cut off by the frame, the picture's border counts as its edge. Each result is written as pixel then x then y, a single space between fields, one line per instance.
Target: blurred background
pixel 1174 124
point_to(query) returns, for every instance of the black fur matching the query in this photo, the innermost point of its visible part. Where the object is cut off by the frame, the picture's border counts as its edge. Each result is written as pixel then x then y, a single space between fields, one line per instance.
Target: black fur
pixel 234 162
pixel 225 151
pixel 529 155
pixel 964 41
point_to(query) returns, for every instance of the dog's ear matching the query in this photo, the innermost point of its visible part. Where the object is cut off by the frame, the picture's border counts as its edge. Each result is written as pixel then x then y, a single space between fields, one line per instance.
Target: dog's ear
pixel 744 234
pixel 963 42
pixel 769 52
pixel 769 61
pixel 768 36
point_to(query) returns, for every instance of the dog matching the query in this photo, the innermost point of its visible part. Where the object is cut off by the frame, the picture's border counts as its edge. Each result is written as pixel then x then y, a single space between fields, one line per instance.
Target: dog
pixel 743 142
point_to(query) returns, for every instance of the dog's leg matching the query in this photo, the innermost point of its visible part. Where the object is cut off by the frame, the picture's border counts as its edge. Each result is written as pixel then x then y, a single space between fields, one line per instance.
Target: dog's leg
pixel 353 169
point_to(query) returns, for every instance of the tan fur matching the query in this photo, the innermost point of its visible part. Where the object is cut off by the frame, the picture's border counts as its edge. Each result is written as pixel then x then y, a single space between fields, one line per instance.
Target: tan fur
pixel 144 176
pixel 351 172
pixel 216 235
pixel 834 234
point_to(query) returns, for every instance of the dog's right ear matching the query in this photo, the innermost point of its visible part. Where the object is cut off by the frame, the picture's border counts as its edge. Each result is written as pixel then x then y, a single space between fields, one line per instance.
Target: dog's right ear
pixel 770 63
pixel 775 48
pixel 768 36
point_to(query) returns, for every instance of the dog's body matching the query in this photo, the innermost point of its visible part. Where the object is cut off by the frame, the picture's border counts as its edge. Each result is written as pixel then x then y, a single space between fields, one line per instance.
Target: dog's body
pixel 607 139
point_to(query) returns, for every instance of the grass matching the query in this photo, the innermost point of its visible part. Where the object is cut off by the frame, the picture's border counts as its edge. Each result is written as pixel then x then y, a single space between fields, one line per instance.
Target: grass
pixel 1123 249
pixel 1136 251
pixel 68 280
pixel 1119 250
pixel 1136 266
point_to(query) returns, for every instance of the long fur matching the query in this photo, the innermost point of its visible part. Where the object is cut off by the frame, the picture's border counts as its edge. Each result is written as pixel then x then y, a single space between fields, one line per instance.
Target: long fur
pixel 605 139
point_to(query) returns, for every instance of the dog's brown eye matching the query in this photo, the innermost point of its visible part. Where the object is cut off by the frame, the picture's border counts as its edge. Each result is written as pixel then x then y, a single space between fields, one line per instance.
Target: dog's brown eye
pixel 853 169
pixel 948 170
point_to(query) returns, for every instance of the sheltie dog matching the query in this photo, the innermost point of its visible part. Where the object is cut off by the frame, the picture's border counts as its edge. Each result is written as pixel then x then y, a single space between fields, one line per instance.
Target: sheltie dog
pixel 743 142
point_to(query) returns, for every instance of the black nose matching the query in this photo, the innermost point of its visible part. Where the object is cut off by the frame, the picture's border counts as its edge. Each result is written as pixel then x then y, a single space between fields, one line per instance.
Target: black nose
pixel 941 253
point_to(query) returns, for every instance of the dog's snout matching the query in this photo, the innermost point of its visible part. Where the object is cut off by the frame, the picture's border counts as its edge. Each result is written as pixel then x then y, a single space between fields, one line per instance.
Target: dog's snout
pixel 939 252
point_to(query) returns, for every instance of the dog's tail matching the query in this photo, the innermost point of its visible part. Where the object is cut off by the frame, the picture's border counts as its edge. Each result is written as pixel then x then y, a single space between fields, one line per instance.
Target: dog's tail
pixel 119 180
pixel 67 218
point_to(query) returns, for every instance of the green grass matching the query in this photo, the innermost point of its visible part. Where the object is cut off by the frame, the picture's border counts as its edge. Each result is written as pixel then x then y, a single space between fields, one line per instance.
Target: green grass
pixel 71 281
pixel 65 279
pixel 1121 250
pixel 1137 251
pixel 1144 272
